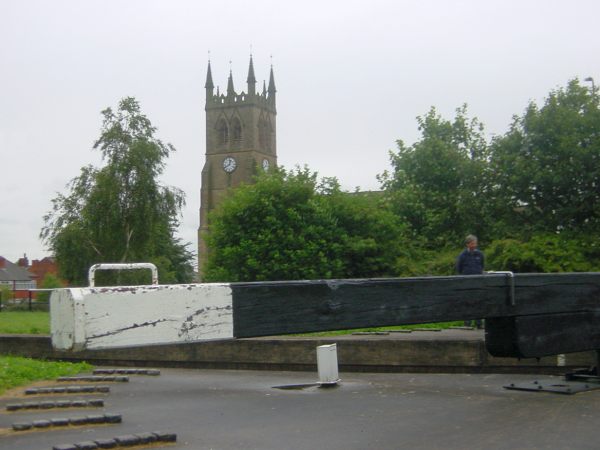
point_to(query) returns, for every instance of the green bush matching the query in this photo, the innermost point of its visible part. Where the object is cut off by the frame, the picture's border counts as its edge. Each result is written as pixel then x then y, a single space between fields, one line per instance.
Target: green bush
pixel 50 281
pixel 416 262
pixel 444 262
pixel 291 225
pixel 5 293
pixel 545 253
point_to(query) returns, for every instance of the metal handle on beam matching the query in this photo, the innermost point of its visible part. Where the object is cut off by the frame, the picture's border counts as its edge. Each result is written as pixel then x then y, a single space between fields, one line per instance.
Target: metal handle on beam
pixel 121 266
pixel 511 284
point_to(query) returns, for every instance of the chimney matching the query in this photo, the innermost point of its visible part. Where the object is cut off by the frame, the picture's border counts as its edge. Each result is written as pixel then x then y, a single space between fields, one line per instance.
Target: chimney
pixel 23 262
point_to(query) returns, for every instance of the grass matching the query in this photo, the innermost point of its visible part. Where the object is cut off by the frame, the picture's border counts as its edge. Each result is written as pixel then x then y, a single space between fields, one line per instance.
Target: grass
pixel 441 325
pixel 39 323
pixel 24 322
pixel 17 371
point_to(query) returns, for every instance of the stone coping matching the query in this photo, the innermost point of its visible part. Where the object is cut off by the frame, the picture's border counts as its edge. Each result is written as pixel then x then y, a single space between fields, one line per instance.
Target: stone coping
pixel 447 351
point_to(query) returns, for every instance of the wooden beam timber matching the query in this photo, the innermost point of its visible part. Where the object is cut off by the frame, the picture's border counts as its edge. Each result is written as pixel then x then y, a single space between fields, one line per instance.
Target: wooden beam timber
pixel 543 335
pixel 550 313
pixel 271 308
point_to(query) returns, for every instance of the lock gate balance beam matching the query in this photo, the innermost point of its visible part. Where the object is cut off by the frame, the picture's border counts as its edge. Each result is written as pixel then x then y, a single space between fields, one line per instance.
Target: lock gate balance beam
pixel 530 315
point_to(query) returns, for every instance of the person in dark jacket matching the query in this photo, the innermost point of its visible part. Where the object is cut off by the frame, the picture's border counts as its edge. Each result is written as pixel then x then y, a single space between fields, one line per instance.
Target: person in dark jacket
pixel 471 261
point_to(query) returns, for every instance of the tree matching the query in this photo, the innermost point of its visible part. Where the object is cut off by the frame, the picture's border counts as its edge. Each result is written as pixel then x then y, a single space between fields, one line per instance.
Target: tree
pixel 438 184
pixel 120 212
pixel 50 281
pixel 374 235
pixel 547 166
pixel 290 226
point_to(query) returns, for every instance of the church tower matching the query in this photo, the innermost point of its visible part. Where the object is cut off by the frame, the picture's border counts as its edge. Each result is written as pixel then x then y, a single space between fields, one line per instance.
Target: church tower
pixel 240 141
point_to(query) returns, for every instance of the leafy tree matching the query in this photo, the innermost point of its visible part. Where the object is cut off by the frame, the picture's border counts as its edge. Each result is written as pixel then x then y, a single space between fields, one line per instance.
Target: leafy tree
pixel 438 184
pixel 120 212
pixel 293 226
pixel 534 189
pixel 374 236
pixel 547 166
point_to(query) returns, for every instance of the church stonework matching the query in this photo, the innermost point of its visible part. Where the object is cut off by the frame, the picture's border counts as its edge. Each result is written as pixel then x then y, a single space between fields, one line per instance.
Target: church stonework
pixel 240 141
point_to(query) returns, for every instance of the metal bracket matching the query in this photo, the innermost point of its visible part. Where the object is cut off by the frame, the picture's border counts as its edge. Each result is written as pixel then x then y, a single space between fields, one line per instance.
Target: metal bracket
pixel 120 266
pixel 556 385
pixel 511 284
pixel 580 380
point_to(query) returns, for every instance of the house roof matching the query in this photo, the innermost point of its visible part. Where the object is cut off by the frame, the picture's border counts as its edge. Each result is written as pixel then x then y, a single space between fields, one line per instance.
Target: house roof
pixel 11 272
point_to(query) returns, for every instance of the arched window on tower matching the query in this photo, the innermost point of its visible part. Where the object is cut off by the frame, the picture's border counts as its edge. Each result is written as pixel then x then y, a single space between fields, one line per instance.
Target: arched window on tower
pixel 263 134
pixel 222 132
pixel 236 131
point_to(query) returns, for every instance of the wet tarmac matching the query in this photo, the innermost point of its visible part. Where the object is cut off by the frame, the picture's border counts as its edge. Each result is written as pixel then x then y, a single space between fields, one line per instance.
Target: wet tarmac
pixel 226 410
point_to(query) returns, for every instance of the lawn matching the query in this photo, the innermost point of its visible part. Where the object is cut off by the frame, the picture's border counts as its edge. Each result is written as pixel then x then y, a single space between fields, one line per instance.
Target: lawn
pixel 16 371
pixel 441 325
pixel 24 322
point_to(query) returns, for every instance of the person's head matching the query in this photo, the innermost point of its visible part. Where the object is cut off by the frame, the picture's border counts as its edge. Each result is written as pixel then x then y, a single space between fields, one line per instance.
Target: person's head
pixel 471 242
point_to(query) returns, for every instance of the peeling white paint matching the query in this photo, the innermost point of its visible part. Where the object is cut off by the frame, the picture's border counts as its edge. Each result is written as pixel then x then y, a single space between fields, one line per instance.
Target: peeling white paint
pixel 140 315
pixel 65 306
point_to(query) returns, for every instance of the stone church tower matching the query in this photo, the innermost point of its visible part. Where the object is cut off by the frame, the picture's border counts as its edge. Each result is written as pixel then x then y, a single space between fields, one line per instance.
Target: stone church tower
pixel 240 141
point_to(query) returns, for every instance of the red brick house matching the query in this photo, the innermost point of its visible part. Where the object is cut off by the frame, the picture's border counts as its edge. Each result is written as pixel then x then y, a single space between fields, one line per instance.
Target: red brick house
pixel 40 267
pixel 22 276
pixel 16 278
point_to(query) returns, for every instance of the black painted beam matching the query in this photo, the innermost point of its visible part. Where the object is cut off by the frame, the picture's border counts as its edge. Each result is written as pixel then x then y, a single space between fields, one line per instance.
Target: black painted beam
pixel 542 335
pixel 272 308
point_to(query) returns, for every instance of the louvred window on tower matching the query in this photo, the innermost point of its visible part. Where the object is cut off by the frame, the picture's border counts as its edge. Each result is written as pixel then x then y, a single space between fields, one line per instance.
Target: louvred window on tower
pixel 222 132
pixel 236 130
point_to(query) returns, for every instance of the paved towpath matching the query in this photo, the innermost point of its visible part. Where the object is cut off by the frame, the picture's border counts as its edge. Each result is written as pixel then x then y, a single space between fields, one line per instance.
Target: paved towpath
pixel 217 409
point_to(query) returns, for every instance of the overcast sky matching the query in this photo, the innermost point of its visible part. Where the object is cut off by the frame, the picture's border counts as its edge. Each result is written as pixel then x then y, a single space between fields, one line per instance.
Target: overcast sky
pixel 351 78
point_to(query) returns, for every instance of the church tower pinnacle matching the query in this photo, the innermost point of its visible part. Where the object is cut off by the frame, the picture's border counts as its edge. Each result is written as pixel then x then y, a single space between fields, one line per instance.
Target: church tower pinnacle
pixel 251 80
pixel 271 91
pixel 230 89
pixel 209 86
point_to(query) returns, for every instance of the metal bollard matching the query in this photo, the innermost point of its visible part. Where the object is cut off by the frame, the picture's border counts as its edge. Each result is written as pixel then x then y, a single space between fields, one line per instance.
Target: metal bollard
pixel 327 364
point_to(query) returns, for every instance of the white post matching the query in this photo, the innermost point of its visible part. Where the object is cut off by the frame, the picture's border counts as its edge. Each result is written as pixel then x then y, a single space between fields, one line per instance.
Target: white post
pixel 327 364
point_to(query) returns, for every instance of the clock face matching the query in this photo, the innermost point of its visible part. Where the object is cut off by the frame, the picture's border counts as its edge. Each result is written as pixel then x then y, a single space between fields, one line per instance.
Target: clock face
pixel 229 164
pixel 265 164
